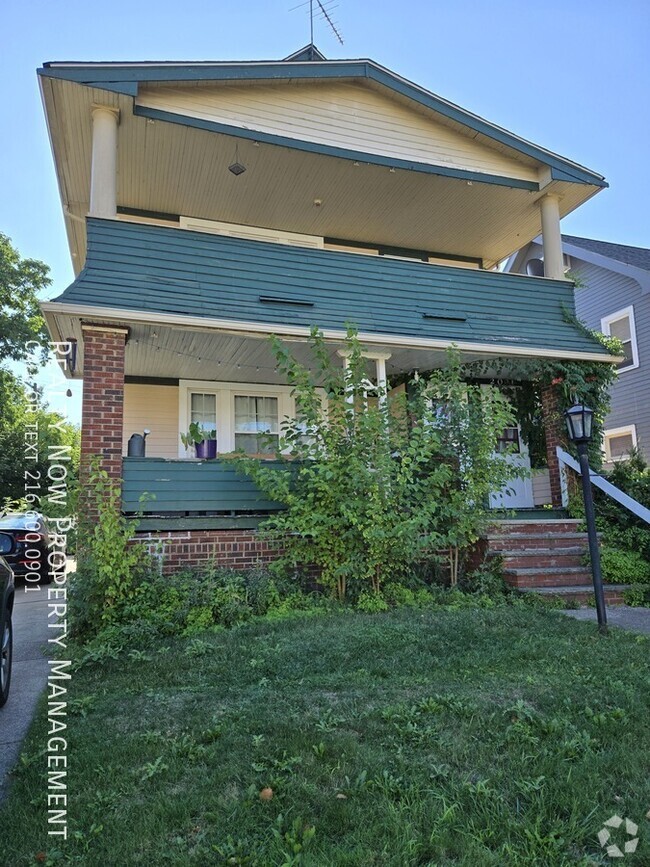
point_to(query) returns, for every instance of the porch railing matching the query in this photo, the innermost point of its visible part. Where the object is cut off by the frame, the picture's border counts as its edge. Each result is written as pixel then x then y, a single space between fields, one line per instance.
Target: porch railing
pixel 566 460
pixel 189 488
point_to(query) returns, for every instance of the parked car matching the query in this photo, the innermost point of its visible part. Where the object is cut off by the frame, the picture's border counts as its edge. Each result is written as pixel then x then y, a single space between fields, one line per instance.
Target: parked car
pixel 7 546
pixel 31 535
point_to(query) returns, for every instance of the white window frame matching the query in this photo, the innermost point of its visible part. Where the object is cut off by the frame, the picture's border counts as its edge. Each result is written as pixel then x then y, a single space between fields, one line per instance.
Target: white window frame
pixel 252 233
pixel 605 327
pixel 226 393
pixel 617 432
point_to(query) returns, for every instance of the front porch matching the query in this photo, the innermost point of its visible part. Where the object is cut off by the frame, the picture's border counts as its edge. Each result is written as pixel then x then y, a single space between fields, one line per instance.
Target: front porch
pixel 178 330
pixel 182 494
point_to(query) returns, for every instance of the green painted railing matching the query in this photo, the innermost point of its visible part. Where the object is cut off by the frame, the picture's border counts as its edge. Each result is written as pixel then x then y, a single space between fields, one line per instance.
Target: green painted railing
pixel 186 487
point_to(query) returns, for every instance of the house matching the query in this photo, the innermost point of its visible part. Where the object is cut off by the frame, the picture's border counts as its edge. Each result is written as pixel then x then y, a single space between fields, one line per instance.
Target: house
pixel 211 204
pixel 612 296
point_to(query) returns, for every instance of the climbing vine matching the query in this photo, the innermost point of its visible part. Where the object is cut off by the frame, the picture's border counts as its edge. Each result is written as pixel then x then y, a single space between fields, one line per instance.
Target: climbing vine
pixel 522 381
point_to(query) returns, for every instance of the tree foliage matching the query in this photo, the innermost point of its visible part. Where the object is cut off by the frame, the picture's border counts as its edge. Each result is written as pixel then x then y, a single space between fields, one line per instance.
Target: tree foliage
pixel 33 436
pixel 21 321
pixel 374 483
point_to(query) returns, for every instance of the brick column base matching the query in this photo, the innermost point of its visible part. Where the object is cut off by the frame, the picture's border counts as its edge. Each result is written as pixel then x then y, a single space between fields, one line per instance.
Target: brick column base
pixel 102 411
pixel 554 430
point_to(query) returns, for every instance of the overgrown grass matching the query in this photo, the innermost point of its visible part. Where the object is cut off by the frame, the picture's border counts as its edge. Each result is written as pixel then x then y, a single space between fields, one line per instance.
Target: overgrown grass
pixel 472 737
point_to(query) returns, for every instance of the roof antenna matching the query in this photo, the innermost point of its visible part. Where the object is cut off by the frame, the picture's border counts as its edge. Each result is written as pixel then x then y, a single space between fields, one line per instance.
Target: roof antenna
pixel 320 9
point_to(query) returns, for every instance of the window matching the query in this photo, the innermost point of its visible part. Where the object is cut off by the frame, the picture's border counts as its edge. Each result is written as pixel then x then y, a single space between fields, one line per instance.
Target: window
pixel 621 325
pixel 619 442
pixel 508 442
pixel 203 410
pixel 256 424
pixel 243 412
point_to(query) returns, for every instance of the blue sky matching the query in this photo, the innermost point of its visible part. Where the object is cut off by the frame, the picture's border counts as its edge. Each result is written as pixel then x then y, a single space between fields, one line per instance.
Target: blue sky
pixel 570 75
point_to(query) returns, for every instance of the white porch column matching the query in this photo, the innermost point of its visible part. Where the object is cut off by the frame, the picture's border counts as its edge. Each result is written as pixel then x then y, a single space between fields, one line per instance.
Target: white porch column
pixel 103 172
pixel 380 363
pixel 551 237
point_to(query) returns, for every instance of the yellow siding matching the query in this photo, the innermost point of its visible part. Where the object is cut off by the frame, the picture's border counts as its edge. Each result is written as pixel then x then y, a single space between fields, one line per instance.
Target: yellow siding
pixel 340 114
pixel 154 407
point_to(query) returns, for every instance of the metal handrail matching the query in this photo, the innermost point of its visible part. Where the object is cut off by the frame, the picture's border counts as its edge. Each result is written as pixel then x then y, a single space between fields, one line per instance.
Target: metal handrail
pixel 606 487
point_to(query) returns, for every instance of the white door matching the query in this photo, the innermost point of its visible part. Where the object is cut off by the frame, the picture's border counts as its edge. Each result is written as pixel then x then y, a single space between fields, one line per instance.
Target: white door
pixel 519 492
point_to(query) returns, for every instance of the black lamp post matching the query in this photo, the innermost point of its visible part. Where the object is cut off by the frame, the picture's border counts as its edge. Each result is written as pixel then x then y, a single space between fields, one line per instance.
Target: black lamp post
pixel 579 422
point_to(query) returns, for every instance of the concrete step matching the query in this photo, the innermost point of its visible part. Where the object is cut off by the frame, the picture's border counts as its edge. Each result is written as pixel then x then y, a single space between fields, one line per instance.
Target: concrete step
pixel 579 594
pixel 553 525
pixel 525 541
pixel 547 576
pixel 543 558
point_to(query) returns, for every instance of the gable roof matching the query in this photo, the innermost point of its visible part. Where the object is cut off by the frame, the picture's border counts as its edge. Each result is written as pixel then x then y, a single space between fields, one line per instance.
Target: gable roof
pixel 638 257
pixel 309 52
pixel 124 78
pixel 632 262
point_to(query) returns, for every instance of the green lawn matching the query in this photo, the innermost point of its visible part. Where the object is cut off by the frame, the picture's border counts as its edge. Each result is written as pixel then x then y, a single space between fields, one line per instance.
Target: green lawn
pixel 475 737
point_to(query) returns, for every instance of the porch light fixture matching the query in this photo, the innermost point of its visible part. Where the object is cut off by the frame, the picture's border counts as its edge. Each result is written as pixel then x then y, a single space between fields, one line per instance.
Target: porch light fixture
pixel 237 168
pixel 579 421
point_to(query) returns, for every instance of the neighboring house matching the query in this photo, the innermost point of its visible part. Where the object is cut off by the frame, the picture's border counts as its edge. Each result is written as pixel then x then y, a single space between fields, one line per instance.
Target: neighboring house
pixel 209 205
pixel 612 296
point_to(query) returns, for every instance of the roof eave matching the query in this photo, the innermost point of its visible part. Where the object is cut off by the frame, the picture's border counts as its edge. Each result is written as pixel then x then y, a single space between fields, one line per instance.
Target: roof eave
pixel 120 78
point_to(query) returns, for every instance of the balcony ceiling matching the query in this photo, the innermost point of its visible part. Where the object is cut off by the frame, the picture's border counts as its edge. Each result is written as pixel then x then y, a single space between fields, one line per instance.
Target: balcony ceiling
pixel 174 169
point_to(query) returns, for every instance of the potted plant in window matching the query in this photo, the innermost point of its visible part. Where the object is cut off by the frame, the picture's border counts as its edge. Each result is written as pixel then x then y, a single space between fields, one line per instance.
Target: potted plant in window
pixel 204 440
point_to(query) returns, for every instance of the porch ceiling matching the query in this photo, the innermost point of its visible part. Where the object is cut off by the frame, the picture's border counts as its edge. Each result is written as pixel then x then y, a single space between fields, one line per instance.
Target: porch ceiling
pixel 161 352
pixel 175 169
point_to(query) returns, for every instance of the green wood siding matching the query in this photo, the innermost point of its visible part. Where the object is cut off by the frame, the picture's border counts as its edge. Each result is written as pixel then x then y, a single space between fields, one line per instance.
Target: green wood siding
pixel 175 271
pixel 182 487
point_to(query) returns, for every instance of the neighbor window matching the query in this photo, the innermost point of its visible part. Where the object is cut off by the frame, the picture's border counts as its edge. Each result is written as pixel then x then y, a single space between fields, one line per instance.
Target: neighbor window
pixel 256 424
pixel 621 325
pixel 619 442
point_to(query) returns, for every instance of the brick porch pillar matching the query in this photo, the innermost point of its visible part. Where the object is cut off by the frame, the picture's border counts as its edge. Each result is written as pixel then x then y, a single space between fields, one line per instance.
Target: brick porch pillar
pixel 102 411
pixel 554 430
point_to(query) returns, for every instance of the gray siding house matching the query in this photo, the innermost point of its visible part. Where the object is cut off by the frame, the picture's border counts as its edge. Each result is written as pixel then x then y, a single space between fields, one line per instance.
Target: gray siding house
pixel 613 296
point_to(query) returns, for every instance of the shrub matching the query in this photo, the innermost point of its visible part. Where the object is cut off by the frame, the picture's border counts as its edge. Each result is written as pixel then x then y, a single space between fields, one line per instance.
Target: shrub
pixel 371 602
pixel 638 595
pixel 379 484
pixel 111 568
pixel 487 579
pixel 621 566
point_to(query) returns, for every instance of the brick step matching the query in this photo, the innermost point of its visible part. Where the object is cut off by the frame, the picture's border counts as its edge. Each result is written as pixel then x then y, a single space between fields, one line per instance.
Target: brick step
pixel 580 595
pixel 543 558
pixel 545 576
pixel 554 526
pixel 525 541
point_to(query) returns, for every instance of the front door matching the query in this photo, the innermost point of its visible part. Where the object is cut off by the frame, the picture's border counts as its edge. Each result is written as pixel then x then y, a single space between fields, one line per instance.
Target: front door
pixel 519 493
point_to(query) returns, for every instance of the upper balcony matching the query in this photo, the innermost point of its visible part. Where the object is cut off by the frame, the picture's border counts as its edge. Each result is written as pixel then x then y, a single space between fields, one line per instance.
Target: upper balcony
pixel 176 288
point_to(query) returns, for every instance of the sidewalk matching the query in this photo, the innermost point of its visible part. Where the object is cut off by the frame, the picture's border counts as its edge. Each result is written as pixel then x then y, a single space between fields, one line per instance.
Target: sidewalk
pixel 634 619
pixel 28 676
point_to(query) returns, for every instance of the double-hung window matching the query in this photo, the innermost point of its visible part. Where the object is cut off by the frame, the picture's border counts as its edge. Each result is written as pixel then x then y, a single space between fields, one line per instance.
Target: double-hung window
pixel 257 424
pixel 621 325
pixel 203 410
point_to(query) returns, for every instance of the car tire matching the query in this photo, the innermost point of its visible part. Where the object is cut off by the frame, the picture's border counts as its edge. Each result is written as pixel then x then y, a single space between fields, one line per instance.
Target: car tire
pixel 6 654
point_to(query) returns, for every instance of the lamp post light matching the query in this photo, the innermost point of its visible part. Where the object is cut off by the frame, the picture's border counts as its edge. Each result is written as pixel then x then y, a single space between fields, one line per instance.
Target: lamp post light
pixel 579 422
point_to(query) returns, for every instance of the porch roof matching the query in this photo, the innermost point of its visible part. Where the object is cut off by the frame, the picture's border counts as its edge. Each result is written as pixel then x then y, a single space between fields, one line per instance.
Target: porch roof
pixel 138 272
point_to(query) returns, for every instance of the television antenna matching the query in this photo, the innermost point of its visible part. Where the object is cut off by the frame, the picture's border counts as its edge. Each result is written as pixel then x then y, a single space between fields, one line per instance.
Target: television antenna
pixel 320 9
